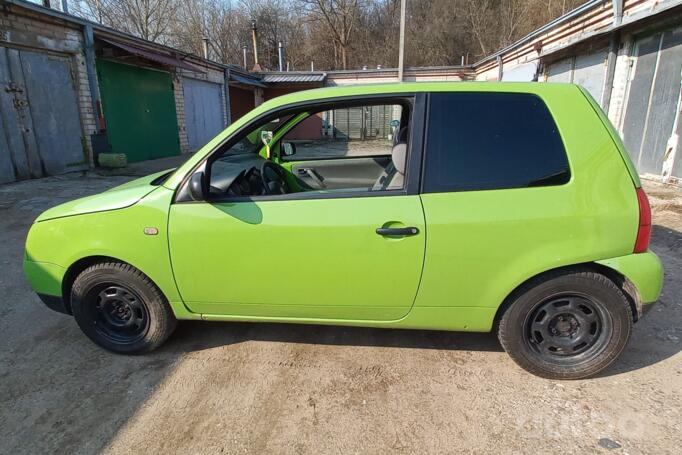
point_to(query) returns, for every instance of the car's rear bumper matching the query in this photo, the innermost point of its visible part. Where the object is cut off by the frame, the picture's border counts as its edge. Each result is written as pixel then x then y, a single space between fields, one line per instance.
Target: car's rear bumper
pixel 644 278
pixel 646 308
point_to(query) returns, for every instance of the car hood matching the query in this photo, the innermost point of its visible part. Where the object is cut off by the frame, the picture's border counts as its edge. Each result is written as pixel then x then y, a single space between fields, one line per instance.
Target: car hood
pixel 118 197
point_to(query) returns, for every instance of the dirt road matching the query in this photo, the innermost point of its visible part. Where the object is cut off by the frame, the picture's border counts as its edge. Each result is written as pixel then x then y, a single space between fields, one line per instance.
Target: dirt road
pixel 250 388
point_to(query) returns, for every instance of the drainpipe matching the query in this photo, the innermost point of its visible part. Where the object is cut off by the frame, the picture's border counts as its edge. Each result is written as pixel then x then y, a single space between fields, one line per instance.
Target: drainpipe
pixel 617 12
pixel 500 71
pixel 205 47
pixel 244 52
pixel 280 54
pixel 228 110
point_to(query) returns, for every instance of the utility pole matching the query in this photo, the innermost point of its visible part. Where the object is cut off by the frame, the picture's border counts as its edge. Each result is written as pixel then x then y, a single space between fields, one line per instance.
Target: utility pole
pixel 254 37
pixel 401 46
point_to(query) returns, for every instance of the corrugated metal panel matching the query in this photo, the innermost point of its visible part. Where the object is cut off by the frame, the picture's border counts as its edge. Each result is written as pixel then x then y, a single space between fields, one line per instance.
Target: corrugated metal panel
pixel 41 130
pixel 368 122
pixel 203 111
pixel 294 77
pixel 652 99
pixel 246 80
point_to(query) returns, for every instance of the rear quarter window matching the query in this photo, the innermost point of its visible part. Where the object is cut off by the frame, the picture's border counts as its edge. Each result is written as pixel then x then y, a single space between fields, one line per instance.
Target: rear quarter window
pixel 486 141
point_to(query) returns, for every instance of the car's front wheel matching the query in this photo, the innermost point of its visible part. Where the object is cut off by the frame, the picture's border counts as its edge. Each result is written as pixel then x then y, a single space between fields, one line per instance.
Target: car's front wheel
pixel 121 309
pixel 566 325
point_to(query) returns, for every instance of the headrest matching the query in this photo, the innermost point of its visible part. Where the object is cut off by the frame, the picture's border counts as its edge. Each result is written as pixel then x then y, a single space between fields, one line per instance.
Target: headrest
pixel 399 157
pixel 401 136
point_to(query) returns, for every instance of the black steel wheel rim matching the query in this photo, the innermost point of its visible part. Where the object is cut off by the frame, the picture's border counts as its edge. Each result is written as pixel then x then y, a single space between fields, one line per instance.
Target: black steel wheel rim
pixel 567 327
pixel 119 314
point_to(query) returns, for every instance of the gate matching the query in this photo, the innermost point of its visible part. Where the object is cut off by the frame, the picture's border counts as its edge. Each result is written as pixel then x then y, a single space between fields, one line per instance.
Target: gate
pixel 366 122
pixel 40 125
pixel 203 111
pixel 653 99
pixel 139 110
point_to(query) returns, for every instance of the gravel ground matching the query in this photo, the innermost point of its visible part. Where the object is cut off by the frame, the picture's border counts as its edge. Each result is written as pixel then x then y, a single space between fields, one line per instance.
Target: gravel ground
pixel 268 388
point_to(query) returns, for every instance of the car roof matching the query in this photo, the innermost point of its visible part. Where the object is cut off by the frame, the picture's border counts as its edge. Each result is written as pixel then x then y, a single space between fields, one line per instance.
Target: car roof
pixel 395 88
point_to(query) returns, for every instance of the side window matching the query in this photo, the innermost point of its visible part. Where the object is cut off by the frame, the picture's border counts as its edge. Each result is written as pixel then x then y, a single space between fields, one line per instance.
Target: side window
pixel 346 132
pixel 485 141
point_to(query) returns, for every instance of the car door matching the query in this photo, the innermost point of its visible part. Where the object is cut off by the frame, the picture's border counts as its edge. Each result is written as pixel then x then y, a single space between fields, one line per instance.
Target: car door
pixel 303 255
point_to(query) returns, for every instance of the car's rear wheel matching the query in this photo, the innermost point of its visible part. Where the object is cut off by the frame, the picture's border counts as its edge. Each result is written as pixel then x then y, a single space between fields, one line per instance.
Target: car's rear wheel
pixel 566 325
pixel 120 308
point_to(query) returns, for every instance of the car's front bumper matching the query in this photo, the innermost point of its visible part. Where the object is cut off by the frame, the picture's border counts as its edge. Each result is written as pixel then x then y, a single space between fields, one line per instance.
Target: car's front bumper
pixel 55 303
pixel 46 280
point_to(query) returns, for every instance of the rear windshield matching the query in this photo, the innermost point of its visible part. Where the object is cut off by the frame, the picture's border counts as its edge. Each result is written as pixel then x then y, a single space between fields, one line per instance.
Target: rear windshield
pixel 485 141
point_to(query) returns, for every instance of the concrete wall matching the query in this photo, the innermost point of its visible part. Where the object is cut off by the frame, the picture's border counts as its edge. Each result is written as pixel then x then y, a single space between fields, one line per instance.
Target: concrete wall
pixel 375 76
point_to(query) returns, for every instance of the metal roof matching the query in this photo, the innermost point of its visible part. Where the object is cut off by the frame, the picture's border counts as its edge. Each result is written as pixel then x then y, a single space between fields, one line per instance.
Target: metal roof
pixel 150 55
pixel 290 76
pixel 246 79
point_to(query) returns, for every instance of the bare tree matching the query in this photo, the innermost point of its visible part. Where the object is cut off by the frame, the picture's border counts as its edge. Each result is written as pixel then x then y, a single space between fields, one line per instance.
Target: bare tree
pixel 148 19
pixel 332 33
pixel 341 17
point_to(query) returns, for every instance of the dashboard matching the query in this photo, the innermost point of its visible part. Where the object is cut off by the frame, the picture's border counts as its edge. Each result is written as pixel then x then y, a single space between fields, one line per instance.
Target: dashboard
pixel 240 175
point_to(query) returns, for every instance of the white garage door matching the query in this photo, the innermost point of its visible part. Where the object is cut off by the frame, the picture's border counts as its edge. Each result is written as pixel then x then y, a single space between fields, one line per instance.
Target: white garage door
pixel 587 70
pixel 203 111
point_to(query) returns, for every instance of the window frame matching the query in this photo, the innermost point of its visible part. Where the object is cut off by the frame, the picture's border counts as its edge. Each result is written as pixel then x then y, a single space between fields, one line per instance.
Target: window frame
pixel 413 171
pixel 425 151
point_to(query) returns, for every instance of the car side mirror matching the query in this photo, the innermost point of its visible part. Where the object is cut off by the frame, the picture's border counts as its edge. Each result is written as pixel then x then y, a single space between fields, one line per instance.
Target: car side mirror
pixel 198 186
pixel 288 149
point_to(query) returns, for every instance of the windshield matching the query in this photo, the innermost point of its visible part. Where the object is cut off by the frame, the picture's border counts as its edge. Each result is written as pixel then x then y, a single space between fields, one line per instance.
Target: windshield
pixel 251 143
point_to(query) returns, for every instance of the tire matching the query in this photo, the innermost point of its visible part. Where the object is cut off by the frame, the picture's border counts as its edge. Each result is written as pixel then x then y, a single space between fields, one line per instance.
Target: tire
pixel 566 325
pixel 120 309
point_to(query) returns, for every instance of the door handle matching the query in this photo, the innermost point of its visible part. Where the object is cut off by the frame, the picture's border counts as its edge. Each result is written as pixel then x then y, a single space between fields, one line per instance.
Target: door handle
pixel 310 172
pixel 398 231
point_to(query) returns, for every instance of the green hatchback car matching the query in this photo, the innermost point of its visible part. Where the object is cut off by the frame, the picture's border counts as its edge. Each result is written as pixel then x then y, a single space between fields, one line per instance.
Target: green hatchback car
pixel 506 207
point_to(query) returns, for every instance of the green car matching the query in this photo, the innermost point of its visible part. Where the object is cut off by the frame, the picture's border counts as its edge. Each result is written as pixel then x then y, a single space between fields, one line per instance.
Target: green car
pixel 506 207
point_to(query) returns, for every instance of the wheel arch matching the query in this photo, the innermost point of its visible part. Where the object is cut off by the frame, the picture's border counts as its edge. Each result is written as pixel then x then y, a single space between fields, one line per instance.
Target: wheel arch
pixel 80 265
pixel 620 280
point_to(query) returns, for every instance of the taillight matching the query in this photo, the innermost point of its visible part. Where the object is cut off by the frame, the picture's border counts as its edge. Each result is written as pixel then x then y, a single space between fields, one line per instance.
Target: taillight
pixel 644 231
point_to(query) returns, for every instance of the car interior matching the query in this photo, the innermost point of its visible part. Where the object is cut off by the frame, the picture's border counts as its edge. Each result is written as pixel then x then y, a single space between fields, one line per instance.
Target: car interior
pixel 317 152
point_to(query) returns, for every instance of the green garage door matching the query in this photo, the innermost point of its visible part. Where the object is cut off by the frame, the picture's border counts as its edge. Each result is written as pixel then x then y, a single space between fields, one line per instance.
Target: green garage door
pixel 139 110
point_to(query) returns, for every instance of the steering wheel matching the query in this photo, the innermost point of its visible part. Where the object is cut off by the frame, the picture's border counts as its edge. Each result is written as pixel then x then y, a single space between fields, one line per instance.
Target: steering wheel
pixel 274 179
